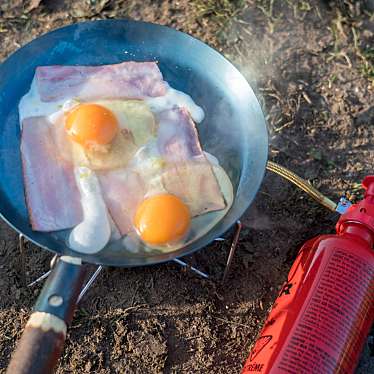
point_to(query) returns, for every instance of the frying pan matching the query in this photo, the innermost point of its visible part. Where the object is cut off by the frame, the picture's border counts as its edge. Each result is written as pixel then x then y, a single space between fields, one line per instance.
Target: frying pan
pixel 233 130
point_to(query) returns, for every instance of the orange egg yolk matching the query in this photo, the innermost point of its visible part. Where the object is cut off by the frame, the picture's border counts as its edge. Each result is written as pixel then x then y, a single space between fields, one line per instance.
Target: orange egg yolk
pixel 91 125
pixel 162 219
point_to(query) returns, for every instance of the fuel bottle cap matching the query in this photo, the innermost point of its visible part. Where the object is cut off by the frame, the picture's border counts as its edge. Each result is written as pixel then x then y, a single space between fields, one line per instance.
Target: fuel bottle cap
pixel 362 212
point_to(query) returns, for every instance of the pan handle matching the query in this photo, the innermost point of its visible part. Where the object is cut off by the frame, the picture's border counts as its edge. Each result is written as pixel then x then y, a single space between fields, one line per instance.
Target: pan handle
pixel 42 341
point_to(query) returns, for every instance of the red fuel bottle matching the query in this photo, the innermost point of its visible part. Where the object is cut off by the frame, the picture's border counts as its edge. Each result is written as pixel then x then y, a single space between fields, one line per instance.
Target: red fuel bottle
pixel 325 309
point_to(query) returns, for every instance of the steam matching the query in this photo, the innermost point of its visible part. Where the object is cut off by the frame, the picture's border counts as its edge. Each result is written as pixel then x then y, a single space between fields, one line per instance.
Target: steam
pixel 252 51
pixel 249 51
pixel 292 94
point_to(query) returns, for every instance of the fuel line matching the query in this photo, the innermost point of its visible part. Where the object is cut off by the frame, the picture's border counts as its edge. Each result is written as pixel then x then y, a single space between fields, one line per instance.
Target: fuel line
pixel 302 184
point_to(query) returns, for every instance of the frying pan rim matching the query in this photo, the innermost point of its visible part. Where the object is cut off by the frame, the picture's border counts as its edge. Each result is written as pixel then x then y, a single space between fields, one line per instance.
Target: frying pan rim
pixel 182 251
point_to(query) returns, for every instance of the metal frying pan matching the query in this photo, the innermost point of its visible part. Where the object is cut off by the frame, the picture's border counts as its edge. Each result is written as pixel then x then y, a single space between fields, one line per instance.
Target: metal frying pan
pixel 233 130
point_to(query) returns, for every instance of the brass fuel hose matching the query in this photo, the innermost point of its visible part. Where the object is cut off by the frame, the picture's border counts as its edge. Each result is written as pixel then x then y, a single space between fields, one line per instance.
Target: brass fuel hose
pixel 302 184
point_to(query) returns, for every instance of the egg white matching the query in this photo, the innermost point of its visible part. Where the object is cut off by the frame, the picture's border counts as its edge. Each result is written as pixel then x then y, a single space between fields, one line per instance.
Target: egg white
pixel 94 232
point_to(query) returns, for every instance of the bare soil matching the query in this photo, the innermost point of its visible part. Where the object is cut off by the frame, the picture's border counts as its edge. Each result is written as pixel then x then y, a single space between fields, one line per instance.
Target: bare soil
pixel 311 64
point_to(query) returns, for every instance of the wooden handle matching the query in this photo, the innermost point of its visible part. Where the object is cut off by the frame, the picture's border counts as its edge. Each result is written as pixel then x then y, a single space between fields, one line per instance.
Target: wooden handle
pixel 40 346
pixel 43 340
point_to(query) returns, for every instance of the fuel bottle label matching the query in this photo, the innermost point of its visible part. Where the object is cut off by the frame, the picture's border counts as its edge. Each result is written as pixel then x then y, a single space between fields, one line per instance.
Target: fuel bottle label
pixel 331 323
pixel 277 325
pixel 318 320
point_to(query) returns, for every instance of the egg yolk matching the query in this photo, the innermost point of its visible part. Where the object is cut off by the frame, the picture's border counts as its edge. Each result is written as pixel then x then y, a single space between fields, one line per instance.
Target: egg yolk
pixel 162 219
pixel 91 125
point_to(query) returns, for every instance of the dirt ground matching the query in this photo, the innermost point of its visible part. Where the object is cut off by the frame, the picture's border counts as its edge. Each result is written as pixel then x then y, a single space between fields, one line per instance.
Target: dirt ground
pixel 311 64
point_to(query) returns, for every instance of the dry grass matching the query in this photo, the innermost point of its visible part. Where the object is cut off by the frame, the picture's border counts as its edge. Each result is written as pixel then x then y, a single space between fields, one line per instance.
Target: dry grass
pixel 220 12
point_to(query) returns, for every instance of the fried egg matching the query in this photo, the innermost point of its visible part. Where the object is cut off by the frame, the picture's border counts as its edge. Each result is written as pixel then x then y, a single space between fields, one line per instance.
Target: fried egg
pixel 163 240
pixel 100 135
pixel 162 221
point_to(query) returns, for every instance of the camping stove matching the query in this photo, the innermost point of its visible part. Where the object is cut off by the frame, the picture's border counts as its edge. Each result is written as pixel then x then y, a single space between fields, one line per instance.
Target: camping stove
pixel 184 265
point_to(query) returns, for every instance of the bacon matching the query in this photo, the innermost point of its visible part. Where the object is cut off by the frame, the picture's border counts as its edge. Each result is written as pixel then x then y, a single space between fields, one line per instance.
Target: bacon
pixel 52 195
pixel 177 136
pixel 188 175
pixel 131 80
pixel 195 183
pixel 123 190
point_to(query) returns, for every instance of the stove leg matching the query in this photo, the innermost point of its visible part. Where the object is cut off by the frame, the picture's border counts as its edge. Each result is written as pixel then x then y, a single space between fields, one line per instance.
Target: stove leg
pixel 234 245
pixel 89 283
pixel 45 275
pixel 189 267
pixel 22 250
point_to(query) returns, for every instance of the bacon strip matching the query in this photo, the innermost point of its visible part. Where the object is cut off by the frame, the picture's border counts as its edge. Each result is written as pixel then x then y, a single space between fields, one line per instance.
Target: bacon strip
pixel 131 80
pixel 52 196
pixel 195 183
pixel 123 190
pixel 177 136
pixel 188 175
